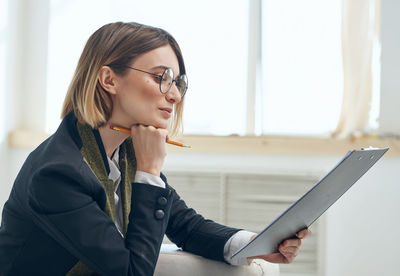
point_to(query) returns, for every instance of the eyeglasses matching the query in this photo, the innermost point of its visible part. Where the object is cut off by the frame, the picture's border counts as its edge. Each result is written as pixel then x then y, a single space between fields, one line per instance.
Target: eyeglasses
pixel 166 80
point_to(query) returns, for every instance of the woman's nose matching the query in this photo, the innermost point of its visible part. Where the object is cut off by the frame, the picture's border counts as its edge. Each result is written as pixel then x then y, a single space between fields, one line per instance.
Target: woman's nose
pixel 173 95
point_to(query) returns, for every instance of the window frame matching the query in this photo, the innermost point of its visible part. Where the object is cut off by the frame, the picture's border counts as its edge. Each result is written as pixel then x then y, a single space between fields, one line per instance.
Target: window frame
pixel 20 135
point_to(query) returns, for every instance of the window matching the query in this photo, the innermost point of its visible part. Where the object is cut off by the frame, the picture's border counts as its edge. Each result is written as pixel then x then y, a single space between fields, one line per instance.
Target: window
pixel 214 46
pixel 302 66
pixel 301 75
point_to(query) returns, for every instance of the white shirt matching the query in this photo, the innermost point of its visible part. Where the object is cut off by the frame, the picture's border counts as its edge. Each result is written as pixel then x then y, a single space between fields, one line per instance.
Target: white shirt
pixel 231 246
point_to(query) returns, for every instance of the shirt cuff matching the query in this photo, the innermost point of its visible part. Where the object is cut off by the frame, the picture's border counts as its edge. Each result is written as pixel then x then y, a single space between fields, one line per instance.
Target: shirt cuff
pixel 147 178
pixel 236 242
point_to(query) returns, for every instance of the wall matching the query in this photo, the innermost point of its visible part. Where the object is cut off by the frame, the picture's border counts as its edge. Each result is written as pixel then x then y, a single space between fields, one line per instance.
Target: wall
pixel 4 100
pixel 22 91
pixel 362 231
pixel 5 185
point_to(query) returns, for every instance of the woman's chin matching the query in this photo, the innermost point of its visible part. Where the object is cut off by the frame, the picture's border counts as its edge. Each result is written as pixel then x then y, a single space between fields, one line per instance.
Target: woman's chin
pixel 158 124
pixel 162 126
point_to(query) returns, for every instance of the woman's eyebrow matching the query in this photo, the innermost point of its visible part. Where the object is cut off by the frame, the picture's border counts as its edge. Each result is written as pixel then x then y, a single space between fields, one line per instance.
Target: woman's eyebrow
pixel 159 67
pixel 163 67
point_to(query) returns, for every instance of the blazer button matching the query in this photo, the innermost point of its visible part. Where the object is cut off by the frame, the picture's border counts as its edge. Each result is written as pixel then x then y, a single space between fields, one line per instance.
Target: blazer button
pixel 162 201
pixel 159 214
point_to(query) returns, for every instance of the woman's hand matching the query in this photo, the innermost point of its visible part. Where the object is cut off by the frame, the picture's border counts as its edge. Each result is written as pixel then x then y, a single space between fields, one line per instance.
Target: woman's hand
pixel 288 250
pixel 149 145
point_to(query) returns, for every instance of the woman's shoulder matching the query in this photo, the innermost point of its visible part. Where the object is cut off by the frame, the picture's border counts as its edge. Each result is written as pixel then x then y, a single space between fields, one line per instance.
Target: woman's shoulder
pixel 54 161
pixel 58 151
pixel 53 174
pixel 57 156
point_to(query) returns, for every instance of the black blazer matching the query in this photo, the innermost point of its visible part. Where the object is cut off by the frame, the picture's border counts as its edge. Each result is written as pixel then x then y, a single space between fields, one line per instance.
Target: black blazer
pixel 55 217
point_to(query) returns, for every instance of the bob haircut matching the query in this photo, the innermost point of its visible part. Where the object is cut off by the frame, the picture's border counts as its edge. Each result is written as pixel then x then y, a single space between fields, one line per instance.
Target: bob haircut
pixel 116 43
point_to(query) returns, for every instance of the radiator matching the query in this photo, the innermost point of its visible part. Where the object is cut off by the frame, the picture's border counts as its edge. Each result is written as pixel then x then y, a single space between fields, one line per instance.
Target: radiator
pixel 252 201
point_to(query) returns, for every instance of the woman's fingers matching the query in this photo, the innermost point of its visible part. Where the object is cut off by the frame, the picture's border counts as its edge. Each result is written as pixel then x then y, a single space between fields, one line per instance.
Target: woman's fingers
pixel 291 242
pixel 149 146
pixel 304 233
pixel 288 250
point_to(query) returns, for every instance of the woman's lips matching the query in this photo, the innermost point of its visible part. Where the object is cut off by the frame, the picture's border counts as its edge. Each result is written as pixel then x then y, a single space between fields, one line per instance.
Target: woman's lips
pixel 166 112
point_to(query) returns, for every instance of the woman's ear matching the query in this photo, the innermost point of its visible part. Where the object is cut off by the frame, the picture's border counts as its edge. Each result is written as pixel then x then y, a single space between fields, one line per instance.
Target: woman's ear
pixel 108 79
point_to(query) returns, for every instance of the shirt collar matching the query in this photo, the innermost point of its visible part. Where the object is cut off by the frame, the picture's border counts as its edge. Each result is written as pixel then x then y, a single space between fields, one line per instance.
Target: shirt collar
pixel 115 173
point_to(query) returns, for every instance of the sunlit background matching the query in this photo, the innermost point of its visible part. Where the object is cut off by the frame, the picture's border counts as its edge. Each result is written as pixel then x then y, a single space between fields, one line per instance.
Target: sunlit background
pixel 216 53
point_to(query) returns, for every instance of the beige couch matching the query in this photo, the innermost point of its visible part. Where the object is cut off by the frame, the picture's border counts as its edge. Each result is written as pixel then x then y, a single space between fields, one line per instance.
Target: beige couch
pixel 173 261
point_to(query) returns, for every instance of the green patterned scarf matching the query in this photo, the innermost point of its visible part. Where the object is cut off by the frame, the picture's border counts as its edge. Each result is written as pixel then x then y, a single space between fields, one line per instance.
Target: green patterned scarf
pixel 93 158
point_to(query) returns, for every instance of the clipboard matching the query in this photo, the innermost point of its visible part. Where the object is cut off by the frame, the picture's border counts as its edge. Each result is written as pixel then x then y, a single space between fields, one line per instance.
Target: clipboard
pixel 308 208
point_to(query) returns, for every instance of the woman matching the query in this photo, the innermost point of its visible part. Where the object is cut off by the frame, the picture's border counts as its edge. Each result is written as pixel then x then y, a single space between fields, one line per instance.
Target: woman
pixel 90 200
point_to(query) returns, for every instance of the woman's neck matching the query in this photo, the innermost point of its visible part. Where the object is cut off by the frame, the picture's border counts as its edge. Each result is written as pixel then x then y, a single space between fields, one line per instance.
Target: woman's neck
pixel 111 139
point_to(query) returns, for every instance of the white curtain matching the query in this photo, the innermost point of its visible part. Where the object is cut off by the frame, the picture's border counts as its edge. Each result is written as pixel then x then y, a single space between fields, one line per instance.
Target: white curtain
pixel 360 26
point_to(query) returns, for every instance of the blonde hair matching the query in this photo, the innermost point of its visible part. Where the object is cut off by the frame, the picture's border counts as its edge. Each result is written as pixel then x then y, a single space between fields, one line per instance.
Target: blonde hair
pixel 115 43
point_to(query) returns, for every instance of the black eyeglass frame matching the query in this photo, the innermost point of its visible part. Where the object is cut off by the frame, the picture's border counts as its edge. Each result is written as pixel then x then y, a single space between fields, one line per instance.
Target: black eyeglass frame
pixel 160 78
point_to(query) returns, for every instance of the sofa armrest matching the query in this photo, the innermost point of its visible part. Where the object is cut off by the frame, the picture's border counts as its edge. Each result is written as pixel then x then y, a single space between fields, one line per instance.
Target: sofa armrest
pixel 174 261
